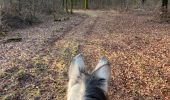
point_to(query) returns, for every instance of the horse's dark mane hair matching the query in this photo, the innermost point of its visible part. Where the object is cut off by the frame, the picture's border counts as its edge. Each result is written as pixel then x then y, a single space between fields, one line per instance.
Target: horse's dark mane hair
pixel 93 90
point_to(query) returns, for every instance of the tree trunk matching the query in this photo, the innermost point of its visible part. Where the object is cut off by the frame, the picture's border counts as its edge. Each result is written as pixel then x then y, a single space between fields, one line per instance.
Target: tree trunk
pixel 86 4
pixel 164 6
pixel 19 5
pixel 127 5
pixel 71 6
pixel 63 3
pixel 66 4
pixel 143 2
pixel 33 7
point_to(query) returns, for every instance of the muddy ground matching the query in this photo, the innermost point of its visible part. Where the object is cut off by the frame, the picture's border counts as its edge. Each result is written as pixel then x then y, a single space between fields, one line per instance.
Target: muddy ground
pixel 138 47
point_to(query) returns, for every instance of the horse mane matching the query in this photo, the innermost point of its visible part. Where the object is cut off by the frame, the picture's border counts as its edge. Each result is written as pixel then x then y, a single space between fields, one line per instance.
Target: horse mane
pixel 93 90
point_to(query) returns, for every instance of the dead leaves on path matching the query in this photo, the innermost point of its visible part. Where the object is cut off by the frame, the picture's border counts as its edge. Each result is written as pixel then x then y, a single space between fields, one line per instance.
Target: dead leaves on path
pixel 139 51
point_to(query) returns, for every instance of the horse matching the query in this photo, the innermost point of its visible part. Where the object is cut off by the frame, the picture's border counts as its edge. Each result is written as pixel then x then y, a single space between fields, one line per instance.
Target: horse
pixel 83 85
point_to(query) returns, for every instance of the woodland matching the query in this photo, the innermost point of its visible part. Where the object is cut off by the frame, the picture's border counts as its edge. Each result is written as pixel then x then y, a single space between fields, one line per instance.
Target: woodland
pixel 39 38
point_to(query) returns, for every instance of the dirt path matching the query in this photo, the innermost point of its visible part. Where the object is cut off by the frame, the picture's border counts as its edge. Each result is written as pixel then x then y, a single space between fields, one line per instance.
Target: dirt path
pixel 137 46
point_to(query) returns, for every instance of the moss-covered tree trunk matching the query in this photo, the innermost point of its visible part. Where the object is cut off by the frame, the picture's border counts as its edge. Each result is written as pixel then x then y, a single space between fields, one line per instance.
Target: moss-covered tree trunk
pixel 86 4
pixel 71 6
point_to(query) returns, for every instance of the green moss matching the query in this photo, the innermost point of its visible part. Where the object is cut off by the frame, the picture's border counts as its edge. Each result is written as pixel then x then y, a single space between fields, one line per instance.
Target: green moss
pixel 40 64
pixel 3 33
pixel 5 74
pixel 69 50
pixel 10 96
pixel 12 70
pixel 22 76
pixel 32 93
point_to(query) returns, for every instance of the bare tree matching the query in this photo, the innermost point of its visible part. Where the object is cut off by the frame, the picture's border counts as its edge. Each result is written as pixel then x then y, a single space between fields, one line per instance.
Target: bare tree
pixel 66 5
pixel 143 2
pixel 164 6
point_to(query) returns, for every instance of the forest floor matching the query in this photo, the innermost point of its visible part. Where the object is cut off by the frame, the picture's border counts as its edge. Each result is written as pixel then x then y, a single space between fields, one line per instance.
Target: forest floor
pixel 137 46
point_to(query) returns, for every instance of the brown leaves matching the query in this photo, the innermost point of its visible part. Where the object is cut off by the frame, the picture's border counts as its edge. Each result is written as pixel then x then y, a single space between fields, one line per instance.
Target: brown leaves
pixel 139 53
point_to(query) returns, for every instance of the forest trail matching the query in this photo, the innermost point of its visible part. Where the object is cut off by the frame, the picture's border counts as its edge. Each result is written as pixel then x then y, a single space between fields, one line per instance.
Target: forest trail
pixel 133 43
pixel 136 45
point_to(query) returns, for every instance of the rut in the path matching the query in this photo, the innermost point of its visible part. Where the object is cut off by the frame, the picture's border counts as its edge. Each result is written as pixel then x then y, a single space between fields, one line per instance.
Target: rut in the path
pixel 78 33
pixel 83 29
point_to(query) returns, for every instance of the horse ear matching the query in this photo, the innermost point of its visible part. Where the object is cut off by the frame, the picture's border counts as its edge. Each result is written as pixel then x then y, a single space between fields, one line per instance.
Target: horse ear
pixel 76 68
pixel 103 71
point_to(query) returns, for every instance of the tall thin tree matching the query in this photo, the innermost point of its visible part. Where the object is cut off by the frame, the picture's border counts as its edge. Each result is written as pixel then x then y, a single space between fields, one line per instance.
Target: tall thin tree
pixel 86 4
pixel 71 6
pixel 164 6
pixel 66 5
